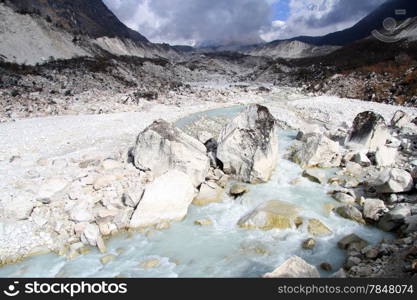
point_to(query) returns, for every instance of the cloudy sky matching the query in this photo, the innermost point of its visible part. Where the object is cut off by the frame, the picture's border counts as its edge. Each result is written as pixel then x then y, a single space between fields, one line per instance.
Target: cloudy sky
pixel 202 22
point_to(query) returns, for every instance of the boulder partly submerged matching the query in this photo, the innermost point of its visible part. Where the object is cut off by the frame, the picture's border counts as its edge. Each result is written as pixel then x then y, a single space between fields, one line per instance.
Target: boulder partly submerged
pixel 294 267
pixel 271 214
pixel 162 147
pixel 166 199
pixel 248 145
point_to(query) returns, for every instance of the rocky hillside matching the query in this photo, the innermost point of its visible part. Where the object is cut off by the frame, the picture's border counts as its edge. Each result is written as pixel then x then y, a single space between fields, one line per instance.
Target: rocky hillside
pixel 90 18
pixel 291 49
pixel 364 27
pixel 36 31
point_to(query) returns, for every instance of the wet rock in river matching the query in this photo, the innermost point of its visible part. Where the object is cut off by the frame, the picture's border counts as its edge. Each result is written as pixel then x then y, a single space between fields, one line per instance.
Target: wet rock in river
pixel 248 145
pixel 271 214
pixel 294 267
pixel 166 199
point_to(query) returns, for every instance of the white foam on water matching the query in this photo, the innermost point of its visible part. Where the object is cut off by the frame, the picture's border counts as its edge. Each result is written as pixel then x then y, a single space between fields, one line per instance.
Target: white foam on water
pixel 221 249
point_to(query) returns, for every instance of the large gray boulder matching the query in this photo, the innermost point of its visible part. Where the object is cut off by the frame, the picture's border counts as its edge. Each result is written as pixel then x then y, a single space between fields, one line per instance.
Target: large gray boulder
pixel 393 181
pixel 369 131
pixel 162 147
pixel 248 145
pixel 318 150
pixel 394 218
pixel 294 267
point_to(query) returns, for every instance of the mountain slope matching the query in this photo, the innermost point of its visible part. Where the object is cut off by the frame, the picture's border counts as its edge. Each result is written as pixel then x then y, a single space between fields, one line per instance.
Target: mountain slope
pixel 291 49
pixel 34 31
pixel 364 27
pixel 90 17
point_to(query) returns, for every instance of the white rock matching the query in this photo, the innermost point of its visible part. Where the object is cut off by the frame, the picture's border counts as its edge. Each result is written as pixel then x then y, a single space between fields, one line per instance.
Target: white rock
pixel 394 181
pixel 344 198
pixel 204 136
pixel 209 192
pixel 110 164
pixel 248 145
pixel 104 181
pixel 166 199
pixel 131 198
pixel 91 234
pixel 51 187
pixel 369 131
pixel 373 209
pixel 162 147
pixel 271 214
pixel 401 119
pixel 60 163
pixel 82 211
pixel 318 151
pixel 294 267
pixel 385 156
pixel 16 208
pixel 362 159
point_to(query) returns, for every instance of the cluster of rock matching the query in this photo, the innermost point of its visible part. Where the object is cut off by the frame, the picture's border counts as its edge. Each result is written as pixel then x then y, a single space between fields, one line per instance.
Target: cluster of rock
pixel 381 87
pixel 191 171
pixel 170 171
pixel 376 184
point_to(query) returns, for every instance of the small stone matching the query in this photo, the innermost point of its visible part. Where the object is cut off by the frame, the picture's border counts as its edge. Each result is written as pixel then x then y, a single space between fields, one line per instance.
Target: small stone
pixel 371 253
pixel 350 212
pixel 163 226
pixel 42 162
pixel 101 245
pixel 308 244
pixel 352 261
pixel 104 181
pixel 328 208
pixel 350 239
pixel 204 222
pixel 150 264
pixel 51 187
pixel 238 190
pixel 315 175
pixel 362 159
pixel 89 163
pixel 326 267
pixel 110 164
pixel 210 192
pixel 344 198
pixel 108 258
pixel 60 163
pixel 294 267
pixel 339 274
pixel 317 228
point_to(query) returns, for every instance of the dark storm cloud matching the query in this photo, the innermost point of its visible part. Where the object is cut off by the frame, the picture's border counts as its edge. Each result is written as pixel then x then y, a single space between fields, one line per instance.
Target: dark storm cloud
pixel 236 21
pixel 196 20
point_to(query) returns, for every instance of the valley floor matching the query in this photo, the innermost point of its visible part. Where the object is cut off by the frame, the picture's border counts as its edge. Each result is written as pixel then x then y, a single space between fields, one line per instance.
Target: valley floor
pixel 45 162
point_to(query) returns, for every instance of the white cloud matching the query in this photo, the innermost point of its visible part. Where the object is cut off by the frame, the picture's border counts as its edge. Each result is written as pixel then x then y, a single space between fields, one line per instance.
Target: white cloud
pixel 196 21
pixel 236 21
pixel 319 17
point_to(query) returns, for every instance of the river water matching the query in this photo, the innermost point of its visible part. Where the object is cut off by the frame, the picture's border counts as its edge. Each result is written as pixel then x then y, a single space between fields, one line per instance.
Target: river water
pixel 221 249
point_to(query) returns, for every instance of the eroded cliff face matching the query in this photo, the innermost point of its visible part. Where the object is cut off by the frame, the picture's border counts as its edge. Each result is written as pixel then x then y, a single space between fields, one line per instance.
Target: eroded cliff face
pixel 37 31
